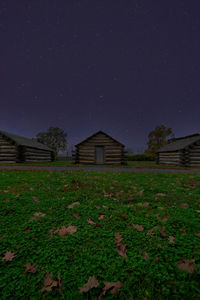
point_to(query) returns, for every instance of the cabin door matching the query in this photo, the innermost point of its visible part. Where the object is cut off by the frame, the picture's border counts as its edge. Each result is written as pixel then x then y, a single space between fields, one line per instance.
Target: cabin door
pixel 99 154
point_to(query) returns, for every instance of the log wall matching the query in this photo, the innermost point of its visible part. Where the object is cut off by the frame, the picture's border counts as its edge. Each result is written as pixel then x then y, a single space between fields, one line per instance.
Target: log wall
pixel 8 151
pixel 194 155
pixel 113 151
pixel 170 158
pixel 35 155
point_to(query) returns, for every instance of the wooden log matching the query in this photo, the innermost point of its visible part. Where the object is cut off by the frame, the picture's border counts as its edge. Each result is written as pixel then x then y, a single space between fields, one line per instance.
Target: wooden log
pixel 7 162
pixel 7 159
pixel 31 160
pixel 35 151
pixel 38 155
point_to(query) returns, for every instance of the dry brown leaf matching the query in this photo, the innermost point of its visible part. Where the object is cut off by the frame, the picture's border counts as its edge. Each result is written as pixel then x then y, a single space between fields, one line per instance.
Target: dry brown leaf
pixel 30 269
pixel 114 286
pixel 171 239
pixel 62 231
pixel 184 232
pixel 74 203
pixel 145 254
pixel 49 283
pixel 97 207
pixel 90 222
pixel 145 204
pixel 138 227
pixel 184 205
pixel 101 217
pixel 197 234
pixel 105 207
pixel 92 283
pixel 162 233
pixel 39 214
pixel 121 248
pixel 35 199
pixel 76 216
pixel 71 229
pixel 150 233
pixel 186 265
pixel 8 256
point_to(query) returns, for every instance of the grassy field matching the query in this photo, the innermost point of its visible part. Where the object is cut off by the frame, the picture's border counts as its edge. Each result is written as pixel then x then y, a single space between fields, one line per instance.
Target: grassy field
pixel 93 235
pixel 130 164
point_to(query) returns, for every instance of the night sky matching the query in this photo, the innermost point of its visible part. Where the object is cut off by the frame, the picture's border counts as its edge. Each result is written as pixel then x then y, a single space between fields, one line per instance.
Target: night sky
pixel 119 66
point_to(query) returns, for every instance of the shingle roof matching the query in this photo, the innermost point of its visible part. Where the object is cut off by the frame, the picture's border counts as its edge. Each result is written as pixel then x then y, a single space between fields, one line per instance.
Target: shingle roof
pixel 180 143
pixel 20 140
pixel 98 133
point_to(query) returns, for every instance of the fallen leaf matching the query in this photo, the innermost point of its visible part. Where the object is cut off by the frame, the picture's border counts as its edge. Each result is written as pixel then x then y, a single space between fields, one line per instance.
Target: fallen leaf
pixel 72 205
pixel 90 222
pixel 97 207
pixel 39 214
pixel 62 231
pixel 35 199
pixel 121 248
pixel 114 288
pixel 71 229
pixel 76 216
pixel 92 283
pixel 8 256
pixel 145 204
pixel 184 205
pixel 197 234
pixel 184 232
pixel 30 269
pixel 161 194
pixel 186 265
pixel 198 211
pixel 138 227
pixel 150 233
pixel 49 283
pixel 162 233
pixel 171 239
pixel 145 254
pixel 105 207
pixel 101 217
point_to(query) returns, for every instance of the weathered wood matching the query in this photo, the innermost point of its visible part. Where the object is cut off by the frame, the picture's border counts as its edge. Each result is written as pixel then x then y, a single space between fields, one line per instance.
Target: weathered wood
pixel 31 160
pixel 7 162
pixel 37 154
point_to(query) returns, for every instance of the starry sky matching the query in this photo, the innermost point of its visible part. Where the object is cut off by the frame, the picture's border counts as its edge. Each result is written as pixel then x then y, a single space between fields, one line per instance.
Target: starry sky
pixel 120 66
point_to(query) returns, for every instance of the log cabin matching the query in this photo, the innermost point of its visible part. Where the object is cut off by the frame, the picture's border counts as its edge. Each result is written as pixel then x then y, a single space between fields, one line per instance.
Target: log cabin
pixel 15 148
pixel 100 148
pixel 183 151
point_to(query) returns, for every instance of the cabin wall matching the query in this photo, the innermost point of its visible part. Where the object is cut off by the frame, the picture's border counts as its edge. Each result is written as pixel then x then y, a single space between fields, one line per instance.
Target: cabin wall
pixel 30 154
pixel 113 151
pixel 193 154
pixel 170 158
pixel 8 150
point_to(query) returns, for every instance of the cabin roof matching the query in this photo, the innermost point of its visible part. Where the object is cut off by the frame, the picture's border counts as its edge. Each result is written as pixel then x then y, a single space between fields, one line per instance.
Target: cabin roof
pixel 24 141
pixel 180 143
pixel 96 134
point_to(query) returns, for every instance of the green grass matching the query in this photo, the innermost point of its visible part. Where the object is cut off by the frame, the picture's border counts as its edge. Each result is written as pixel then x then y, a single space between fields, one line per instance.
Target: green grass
pixel 92 251
pixel 130 164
